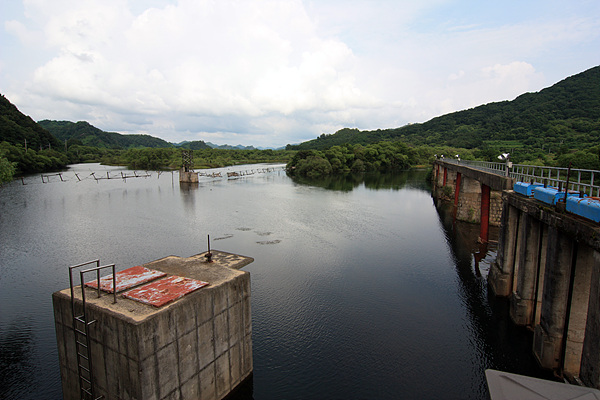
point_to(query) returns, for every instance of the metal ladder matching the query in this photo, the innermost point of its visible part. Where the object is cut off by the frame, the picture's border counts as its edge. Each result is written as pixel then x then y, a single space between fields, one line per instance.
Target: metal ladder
pixel 81 329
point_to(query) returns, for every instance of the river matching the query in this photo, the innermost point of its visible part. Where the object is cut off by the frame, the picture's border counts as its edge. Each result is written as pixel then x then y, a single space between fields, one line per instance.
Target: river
pixel 361 287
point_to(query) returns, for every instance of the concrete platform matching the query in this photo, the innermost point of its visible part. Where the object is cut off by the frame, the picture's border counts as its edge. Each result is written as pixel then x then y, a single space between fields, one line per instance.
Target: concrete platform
pixel 197 346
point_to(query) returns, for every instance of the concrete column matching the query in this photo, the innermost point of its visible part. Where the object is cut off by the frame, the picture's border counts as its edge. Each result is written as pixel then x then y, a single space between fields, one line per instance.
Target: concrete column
pixel 590 360
pixel 501 271
pixel 485 213
pixel 445 176
pixel 578 312
pixel 457 188
pixel 526 272
pixel 549 334
pixel 468 205
pixel 540 274
pixel 520 244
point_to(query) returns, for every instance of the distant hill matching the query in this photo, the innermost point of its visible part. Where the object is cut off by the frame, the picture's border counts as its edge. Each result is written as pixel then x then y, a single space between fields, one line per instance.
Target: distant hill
pixel 567 113
pixel 86 134
pixel 230 147
pixel 195 145
pixel 17 128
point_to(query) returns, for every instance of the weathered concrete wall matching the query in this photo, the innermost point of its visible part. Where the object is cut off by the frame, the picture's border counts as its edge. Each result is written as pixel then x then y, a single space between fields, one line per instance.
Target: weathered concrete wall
pixel 468 203
pixel 469 200
pixel 590 360
pixel 548 263
pixel 199 346
pixel 188 176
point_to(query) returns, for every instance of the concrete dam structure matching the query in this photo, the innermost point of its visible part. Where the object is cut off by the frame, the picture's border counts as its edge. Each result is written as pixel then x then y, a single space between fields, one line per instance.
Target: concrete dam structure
pixel 175 328
pixel 548 260
pixel 548 265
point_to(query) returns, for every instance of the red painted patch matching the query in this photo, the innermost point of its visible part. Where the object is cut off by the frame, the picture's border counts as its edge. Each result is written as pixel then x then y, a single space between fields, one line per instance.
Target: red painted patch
pixel 162 291
pixel 127 279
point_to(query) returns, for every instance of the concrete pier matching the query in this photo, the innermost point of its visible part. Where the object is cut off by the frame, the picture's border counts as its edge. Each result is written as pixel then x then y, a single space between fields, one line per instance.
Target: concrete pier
pixel 548 264
pixel 477 195
pixel 188 176
pixel 197 346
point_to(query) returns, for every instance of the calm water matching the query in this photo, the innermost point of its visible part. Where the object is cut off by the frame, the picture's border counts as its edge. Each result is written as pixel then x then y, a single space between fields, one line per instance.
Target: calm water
pixel 360 289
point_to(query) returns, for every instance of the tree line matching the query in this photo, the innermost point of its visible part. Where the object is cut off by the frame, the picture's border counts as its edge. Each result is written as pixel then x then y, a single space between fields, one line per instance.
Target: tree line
pixel 535 127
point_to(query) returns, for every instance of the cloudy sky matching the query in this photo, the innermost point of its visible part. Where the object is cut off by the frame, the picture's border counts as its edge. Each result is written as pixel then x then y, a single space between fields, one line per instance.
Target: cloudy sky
pixel 273 72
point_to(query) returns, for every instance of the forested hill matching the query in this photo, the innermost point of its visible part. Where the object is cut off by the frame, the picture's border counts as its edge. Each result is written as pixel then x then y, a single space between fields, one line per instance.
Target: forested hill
pixel 17 128
pixel 83 133
pixel 567 113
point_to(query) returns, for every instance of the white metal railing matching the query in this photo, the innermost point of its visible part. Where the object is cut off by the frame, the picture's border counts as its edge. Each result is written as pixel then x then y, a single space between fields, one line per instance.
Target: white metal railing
pixel 581 180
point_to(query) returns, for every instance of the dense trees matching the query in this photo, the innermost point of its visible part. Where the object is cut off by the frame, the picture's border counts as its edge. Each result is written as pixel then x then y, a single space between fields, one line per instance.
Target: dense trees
pixel 28 160
pixel 556 126
pixel 89 135
pixel 566 113
pixel 384 156
pixel 17 128
pixel 207 158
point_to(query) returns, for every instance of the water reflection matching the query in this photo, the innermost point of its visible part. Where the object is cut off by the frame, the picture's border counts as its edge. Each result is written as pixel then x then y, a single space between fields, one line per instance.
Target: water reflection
pixel 371 180
pixel 501 344
pixel 359 291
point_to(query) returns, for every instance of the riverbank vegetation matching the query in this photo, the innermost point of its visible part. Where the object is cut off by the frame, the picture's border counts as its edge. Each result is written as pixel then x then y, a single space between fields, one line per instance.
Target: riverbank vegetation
pixel 556 126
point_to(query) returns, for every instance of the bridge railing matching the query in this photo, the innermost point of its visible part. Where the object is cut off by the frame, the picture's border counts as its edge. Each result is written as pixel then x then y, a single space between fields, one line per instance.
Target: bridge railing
pixel 580 180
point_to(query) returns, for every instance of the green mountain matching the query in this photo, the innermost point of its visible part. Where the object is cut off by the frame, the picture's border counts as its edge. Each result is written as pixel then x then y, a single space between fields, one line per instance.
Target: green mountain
pixel 195 145
pixel 17 128
pixel 230 147
pixel 565 114
pixel 26 147
pixel 88 135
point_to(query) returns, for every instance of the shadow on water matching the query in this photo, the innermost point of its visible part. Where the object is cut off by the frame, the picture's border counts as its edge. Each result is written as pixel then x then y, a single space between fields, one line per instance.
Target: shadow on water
pixel 372 180
pixel 508 346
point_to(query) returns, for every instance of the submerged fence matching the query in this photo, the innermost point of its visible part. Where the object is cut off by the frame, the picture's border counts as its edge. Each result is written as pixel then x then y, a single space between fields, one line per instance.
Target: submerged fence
pixel 79 176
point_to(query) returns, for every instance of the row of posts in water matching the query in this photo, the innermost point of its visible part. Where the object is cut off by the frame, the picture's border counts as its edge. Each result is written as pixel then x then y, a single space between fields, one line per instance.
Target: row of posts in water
pixel 47 178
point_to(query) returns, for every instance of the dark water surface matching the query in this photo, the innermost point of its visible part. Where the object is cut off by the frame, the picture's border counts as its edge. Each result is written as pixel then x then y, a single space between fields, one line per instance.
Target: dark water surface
pixel 360 289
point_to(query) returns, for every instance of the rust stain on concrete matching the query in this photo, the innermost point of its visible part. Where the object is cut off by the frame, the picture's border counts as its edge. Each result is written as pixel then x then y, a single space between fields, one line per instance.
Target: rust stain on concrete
pixel 127 279
pixel 163 291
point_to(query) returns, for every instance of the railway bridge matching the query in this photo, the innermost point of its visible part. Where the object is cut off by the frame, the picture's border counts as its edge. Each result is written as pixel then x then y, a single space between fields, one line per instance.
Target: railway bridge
pixel 548 259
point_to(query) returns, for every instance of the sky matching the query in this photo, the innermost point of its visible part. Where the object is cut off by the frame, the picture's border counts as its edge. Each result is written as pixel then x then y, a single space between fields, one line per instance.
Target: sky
pixel 268 73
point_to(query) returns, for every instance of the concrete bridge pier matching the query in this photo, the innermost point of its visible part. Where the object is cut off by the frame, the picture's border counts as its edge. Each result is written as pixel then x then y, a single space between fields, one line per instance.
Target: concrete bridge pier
pixel 549 334
pixel 548 264
pixel 590 357
pixel 477 195
pixel 525 278
pixel 566 318
pixel 500 277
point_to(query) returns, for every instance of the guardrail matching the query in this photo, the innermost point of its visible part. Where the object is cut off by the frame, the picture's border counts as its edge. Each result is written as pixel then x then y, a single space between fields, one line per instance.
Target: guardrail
pixel 586 181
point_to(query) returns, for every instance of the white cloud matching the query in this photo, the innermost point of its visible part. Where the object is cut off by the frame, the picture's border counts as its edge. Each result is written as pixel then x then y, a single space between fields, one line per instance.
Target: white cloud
pixel 272 72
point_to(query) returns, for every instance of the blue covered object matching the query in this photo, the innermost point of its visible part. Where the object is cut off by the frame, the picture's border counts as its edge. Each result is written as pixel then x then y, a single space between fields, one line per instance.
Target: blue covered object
pixel 587 207
pixel 546 195
pixel 526 189
pixel 551 195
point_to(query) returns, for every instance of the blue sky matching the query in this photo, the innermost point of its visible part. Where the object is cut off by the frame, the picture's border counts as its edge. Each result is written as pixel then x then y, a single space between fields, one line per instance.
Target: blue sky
pixel 269 73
